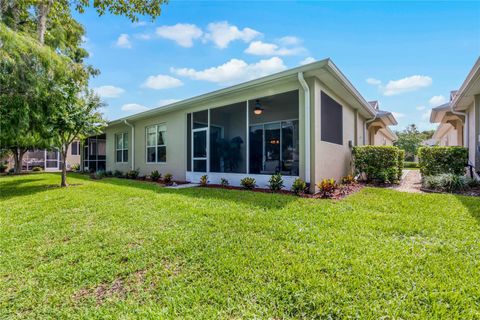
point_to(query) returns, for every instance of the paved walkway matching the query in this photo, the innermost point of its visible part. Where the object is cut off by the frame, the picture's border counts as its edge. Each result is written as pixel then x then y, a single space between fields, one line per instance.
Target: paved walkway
pixel 411 182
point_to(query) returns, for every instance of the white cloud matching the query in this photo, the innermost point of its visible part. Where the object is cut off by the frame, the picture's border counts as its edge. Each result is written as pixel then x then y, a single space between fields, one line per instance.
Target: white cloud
pixel 165 102
pixel 143 36
pixel 307 60
pixel 373 81
pixel 289 41
pixel 420 108
pixel 222 33
pixel 398 115
pixel 234 71
pixel 139 24
pixel 123 41
pixel 426 115
pixel 407 84
pixel 261 48
pixel 108 91
pixel 162 81
pixel 435 101
pixel 134 107
pixel 182 33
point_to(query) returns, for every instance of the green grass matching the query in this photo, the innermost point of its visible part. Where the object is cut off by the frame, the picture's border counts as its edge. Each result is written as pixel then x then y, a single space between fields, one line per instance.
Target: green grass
pixel 124 249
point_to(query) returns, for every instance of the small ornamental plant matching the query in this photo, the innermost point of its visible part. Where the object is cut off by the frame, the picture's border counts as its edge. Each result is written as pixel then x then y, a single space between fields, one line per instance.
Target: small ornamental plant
pixel 276 182
pixel 326 188
pixel 132 174
pixel 155 175
pixel 348 180
pixel 37 169
pixel 299 186
pixel 118 174
pixel 167 178
pixel 204 180
pixel 224 182
pixel 248 183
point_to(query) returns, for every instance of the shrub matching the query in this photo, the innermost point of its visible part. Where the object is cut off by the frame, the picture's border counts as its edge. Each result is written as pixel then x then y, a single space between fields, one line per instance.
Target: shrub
pixel 155 175
pixel 11 171
pixel 401 163
pixel 326 188
pixel 167 178
pixel 347 180
pixel 75 167
pixel 437 160
pixel 132 174
pixel 299 186
pixel 204 180
pixel 37 169
pixel 224 182
pixel 118 174
pixel 108 173
pixel 248 183
pixel 101 174
pixel 410 165
pixel 446 182
pixel 276 182
pixel 377 163
pixel 3 167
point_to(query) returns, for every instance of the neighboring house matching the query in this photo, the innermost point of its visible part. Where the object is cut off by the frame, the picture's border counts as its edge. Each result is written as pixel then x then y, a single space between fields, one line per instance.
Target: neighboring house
pixel 379 133
pixel 301 122
pixel 462 114
pixel 48 160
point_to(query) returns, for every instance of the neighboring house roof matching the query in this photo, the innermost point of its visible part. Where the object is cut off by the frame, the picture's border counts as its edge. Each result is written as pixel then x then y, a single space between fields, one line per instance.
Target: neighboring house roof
pixel 390 134
pixel 388 117
pixel 374 104
pixel 320 69
pixel 441 130
pixel 470 87
pixel 437 113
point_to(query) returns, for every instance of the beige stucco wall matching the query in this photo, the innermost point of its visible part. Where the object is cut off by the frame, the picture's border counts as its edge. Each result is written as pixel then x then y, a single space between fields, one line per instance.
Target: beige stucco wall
pixel 332 160
pixel 381 139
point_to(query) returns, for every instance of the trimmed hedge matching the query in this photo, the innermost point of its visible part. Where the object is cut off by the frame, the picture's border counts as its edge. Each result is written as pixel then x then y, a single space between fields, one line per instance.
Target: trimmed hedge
pixel 437 160
pixel 379 163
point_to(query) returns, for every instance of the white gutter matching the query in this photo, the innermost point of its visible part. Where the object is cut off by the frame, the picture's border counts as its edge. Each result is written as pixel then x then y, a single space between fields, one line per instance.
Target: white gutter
pixel 133 142
pixel 306 90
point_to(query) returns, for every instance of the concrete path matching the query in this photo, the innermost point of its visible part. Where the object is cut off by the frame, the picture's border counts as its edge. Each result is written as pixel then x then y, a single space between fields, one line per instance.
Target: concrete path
pixel 411 182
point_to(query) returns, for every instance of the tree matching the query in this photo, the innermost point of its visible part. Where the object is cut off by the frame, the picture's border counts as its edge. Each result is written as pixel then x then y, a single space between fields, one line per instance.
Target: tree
pixel 409 140
pixel 29 77
pixel 78 117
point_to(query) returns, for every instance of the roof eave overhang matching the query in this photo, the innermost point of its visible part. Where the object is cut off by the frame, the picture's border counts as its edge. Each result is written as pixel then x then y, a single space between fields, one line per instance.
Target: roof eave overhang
pixel 470 87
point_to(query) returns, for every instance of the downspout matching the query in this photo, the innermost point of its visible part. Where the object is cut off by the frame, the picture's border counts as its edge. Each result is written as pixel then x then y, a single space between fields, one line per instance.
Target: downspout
pixel 133 142
pixel 306 90
pixel 365 128
pixel 466 133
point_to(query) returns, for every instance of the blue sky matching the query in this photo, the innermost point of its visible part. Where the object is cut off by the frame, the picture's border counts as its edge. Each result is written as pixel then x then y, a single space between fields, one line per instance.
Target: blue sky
pixel 407 55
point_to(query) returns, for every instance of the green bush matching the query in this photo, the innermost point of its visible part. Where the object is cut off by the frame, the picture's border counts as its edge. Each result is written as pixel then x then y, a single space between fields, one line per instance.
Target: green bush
pixel 118 174
pixel 299 186
pixel 446 182
pixel 326 188
pixel 248 183
pixel 204 180
pixel 437 160
pixel 167 178
pixel 3 167
pixel 378 163
pixel 276 182
pixel 411 165
pixel 155 175
pixel 37 169
pixel 401 163
pixel 132 174
pixel 75 167
pixel 224 182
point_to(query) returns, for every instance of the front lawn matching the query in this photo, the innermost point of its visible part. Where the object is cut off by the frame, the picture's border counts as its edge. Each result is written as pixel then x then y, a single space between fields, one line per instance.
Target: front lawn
pixel 118 248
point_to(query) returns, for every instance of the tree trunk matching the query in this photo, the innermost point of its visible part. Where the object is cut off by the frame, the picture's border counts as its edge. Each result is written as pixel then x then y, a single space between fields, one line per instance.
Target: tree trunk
pixel 18 157
pixel 64 166
pixel 42 14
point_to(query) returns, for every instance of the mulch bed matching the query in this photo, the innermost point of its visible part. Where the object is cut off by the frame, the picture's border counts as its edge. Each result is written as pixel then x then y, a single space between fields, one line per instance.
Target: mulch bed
pixel 340 193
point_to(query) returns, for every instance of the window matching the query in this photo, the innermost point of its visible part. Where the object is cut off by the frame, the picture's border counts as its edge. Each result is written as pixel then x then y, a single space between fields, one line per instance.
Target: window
pixel 156 150
pixel 331 120
pixel 121 147
pixel 75 148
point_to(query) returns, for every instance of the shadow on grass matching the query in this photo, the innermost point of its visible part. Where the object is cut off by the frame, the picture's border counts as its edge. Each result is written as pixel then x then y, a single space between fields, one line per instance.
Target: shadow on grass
pixel 17 187
pixel 472 204
pixel 264 201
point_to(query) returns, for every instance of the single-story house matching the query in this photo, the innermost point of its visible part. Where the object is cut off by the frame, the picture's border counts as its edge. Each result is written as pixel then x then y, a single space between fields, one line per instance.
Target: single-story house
pixel 302 122
pixel 48 160
pixel 459 118
pixel 379 133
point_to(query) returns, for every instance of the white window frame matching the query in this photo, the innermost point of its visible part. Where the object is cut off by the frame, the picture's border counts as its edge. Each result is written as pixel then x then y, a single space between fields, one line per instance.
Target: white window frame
pixel 123 134
pixel 156 126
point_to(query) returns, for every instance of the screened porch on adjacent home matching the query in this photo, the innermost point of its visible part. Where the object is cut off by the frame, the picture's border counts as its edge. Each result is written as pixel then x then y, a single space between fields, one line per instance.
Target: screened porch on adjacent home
pixel 257 138
pixel 94 153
